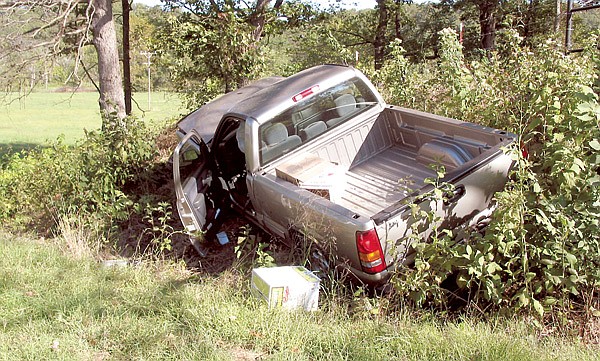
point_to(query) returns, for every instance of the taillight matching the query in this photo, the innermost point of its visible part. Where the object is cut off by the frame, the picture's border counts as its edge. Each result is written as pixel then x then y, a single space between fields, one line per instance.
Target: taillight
pixel 524 151
pixel 370 252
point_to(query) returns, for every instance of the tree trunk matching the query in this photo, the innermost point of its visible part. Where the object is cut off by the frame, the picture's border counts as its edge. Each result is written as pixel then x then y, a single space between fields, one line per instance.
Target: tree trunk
pixel 380 43
pixel 257 19
pixel 109 69
pixel 126 56
pixel 397 23
pixel 528 21
pixel 487 23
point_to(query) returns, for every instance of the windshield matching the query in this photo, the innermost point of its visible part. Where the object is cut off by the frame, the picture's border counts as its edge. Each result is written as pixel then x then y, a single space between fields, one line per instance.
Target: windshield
pixel 313 117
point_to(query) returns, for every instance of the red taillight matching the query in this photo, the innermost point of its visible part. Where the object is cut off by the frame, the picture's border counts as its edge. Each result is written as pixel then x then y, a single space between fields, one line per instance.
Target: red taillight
pixel 524 151
pixel 303 94
pixel 370 252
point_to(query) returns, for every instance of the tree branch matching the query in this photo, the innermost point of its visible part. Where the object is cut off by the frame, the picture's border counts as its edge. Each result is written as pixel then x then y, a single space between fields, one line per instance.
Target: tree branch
pixel 364 38
pixel 89 76
pixel 357 44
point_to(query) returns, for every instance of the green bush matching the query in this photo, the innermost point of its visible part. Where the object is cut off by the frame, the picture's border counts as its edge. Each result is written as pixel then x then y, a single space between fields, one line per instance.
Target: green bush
pixel 91 178
pixel 542 249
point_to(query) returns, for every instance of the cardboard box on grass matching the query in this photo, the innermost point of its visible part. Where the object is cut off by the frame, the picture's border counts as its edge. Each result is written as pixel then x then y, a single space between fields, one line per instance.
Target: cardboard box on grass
pixel 290 287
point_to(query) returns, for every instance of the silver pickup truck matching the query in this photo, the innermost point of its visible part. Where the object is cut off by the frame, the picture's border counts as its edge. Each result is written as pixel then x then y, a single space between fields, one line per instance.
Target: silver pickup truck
pixel 321 154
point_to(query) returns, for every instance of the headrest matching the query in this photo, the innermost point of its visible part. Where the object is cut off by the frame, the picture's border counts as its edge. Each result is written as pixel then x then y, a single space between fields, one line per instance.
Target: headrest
pixel 275 134
pixel 345 104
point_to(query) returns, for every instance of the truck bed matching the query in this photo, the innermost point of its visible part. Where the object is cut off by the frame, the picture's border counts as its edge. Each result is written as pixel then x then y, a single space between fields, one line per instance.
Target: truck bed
pixel 383 180
pixel 391 156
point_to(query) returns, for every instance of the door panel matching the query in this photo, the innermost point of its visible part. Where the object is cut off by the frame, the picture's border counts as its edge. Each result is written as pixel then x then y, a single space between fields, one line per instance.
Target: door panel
pixel 192 175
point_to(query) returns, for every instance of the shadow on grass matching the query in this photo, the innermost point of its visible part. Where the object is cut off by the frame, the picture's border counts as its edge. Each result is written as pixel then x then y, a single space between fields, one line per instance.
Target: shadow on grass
pixel 8 149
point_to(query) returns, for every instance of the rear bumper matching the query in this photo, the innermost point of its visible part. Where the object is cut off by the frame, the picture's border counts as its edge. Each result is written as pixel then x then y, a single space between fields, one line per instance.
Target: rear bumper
pixel 369 279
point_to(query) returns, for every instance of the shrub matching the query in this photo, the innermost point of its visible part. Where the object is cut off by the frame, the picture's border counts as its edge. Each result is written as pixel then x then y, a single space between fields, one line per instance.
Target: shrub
pixel 91 178
pixel 542 249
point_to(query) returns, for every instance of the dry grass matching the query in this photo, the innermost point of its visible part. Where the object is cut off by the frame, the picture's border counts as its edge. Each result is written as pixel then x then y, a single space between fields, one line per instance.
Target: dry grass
pixel 79 237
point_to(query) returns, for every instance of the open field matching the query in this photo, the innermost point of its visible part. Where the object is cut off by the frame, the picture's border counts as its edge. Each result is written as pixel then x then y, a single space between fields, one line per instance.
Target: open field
pixel 43 116
pixel 56 305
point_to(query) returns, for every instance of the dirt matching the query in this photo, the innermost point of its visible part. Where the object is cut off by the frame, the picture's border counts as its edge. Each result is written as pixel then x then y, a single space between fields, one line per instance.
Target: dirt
pixel 139 236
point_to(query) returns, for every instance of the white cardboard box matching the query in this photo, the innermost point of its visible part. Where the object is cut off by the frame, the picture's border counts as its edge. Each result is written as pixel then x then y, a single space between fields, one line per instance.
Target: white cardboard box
pixel 290 287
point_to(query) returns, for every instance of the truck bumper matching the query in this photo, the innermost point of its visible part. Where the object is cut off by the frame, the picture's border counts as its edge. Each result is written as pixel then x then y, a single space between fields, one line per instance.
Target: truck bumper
pixel 369 279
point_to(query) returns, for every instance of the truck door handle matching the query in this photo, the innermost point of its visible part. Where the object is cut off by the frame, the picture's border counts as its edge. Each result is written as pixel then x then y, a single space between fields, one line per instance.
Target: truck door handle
pixel 454 195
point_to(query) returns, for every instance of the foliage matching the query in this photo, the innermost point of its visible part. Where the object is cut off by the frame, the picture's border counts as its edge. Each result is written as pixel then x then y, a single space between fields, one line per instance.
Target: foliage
pixel 144 24
pixel 348 36
pixel 419 28
pixel 309 46
pixel 90 178
pixel 542 248
pixel 208 56
pixel 157 215
pixel 213 48
pixel 251 245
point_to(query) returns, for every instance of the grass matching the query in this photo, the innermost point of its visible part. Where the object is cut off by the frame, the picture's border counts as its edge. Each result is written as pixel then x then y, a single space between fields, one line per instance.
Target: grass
pixel 57 305
pixel 43 116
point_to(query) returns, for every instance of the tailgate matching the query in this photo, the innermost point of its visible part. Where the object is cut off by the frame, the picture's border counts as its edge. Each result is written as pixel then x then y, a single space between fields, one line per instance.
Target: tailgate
pixel 475 184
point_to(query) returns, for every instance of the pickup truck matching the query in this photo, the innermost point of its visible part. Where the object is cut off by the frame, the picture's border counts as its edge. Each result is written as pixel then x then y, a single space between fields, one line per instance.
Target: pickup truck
pixel 321 154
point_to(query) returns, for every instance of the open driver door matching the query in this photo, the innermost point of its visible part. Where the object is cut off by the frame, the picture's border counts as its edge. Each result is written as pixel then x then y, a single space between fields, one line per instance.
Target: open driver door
pixel 197 195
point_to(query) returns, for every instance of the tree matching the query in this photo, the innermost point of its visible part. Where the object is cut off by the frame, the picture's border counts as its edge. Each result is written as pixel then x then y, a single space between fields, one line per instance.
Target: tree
pixel 487 18
pixel 37 32
pixel 421 29
pixel 534 19
pixel 380 42
pixel 346 33
pixel 112 98
pixel 214 45
pixel 145 23
pixel 487 22
pixel 126 5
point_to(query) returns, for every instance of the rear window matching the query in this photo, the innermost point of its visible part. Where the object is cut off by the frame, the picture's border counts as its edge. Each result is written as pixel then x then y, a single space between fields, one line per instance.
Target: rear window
pixel 312 117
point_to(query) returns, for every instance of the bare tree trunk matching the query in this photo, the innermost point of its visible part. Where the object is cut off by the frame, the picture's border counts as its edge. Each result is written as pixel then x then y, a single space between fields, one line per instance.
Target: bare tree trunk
pixel 397 24
pixel 528 30
pixel 557 17
pixel 380 43
pixel 109 69
pixel 257 19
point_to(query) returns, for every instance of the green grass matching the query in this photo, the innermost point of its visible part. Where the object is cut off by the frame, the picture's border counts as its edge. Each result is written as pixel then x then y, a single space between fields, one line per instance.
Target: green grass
pixel 43 116
pixel 56 306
